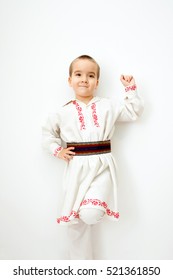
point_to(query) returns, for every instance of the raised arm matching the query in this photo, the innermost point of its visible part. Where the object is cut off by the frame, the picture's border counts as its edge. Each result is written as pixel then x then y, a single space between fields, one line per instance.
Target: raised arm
pixel 132 105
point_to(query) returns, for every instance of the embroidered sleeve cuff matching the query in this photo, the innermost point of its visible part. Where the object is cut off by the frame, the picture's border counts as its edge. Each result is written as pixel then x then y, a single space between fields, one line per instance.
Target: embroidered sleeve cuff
pixel 130 92
pixel 57 150
pixel 133 87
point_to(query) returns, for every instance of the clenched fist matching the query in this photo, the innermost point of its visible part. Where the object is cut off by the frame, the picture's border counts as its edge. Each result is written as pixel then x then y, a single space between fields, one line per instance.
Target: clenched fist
pixel 127 80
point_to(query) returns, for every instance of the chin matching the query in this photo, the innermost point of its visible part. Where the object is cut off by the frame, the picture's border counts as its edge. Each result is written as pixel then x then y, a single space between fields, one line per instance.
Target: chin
pixel 85 95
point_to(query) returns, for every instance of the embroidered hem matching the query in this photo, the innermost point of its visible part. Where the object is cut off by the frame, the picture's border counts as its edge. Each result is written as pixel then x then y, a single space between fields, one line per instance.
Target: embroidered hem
pixel 94 202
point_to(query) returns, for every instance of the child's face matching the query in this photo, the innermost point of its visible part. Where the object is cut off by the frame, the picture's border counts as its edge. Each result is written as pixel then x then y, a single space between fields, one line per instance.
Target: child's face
pixel 84 78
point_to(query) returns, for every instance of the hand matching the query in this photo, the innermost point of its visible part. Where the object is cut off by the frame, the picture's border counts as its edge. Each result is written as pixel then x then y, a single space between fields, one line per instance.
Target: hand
pixel 66 154
pixel 127 80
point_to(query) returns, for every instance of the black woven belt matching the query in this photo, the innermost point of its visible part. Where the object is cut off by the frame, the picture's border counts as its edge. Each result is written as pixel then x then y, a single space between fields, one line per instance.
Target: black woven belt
pixel 90 148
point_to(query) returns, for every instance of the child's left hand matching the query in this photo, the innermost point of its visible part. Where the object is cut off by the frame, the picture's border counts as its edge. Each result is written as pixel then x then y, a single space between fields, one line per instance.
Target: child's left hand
pixel 127 80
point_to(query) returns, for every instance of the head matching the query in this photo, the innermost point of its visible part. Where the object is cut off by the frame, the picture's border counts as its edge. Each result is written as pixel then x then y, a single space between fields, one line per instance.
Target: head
pixel 84 75
pixel 84 57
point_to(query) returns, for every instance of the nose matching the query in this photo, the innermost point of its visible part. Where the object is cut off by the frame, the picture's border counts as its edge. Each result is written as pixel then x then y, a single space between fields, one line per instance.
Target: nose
pixel 84 79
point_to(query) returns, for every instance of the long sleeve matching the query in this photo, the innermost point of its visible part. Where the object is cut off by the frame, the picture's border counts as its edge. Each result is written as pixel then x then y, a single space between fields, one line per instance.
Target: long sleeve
pixel 132 106
pixel 51 140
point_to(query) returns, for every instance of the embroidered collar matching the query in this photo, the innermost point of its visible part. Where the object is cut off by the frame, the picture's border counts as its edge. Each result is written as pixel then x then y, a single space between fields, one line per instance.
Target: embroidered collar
pixel 93 100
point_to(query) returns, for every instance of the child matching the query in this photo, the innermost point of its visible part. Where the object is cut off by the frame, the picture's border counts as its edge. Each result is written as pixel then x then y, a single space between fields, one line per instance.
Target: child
pixel 86 124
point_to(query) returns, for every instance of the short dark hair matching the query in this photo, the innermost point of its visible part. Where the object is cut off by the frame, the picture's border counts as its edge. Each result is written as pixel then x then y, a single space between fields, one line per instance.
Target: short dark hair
pixel 84 57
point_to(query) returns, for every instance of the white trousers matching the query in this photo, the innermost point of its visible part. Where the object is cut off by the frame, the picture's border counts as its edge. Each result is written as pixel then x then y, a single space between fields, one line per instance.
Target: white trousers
pixel 80 235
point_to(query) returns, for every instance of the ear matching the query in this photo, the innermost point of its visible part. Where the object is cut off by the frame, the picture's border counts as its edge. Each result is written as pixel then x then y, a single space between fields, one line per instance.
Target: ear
pixel 69 81
pixel 97 83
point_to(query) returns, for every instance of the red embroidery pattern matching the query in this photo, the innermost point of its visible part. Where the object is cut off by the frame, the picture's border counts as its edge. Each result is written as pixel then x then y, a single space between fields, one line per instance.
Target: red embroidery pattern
pixel 66 219
pixel 100 203
pixel 94 115
pixel 112 213
pixel 130 88
pixel 81 117
pixel 57 150
pixel 95 202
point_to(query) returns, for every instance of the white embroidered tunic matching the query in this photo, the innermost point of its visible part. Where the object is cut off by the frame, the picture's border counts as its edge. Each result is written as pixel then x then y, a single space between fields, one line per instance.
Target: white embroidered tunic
pixel 90 180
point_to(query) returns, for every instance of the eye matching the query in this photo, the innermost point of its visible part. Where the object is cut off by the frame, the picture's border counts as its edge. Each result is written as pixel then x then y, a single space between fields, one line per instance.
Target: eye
pixel 91 76
pixel 78 74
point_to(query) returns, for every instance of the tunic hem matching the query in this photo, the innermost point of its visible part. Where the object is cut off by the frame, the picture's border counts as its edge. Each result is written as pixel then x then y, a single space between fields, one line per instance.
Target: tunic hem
pixel 89 203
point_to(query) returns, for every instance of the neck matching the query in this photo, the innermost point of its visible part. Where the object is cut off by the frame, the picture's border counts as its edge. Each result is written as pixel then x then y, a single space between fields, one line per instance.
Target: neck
pixel 84 99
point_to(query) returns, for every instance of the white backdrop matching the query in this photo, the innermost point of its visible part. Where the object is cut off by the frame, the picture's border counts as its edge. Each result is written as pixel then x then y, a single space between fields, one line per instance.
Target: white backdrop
pixel 39 38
